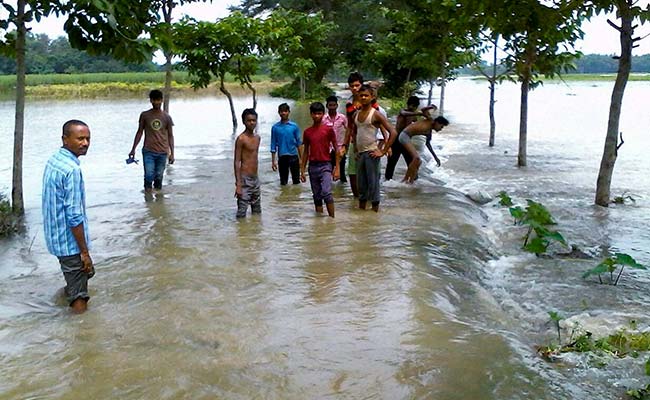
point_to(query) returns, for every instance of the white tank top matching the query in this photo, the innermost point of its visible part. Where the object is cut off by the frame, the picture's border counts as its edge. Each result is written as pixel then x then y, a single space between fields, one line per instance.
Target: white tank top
pixel 366 133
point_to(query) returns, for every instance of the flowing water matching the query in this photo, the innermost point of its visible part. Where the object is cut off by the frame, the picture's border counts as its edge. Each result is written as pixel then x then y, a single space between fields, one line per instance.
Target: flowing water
pixel 431 298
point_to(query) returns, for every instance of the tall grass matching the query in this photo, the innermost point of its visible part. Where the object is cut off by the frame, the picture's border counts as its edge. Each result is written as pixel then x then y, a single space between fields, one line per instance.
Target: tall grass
pixel 8 82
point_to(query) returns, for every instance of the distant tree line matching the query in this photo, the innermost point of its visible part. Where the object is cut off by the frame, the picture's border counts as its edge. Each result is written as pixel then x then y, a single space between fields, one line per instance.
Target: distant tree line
pixel 47 56
pixel 587 64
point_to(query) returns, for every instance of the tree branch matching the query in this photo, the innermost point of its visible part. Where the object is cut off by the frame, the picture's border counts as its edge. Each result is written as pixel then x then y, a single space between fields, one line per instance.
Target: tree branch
pixel 613 25
pixel 618 146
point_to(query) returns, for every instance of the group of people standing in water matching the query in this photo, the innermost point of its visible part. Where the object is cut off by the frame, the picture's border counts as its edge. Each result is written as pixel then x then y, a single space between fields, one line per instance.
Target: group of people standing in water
pixel 358 140
pixel 335 144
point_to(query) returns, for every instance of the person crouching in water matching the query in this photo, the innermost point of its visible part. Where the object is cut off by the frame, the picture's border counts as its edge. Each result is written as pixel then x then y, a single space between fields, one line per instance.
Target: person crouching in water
pixel 317 141
pixel 423 127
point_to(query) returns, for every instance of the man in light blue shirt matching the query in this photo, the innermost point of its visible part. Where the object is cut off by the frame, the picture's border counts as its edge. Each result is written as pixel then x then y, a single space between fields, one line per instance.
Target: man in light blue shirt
pixel 285 140
pixel 64 213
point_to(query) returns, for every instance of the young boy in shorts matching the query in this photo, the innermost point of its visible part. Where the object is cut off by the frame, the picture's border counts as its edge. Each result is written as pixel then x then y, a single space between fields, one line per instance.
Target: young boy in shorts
pixel 247 183
pixel 317 141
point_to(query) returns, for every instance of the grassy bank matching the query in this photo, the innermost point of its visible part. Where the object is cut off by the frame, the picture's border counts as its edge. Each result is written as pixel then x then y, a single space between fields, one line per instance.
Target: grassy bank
pixel 116 85
pixel 590 78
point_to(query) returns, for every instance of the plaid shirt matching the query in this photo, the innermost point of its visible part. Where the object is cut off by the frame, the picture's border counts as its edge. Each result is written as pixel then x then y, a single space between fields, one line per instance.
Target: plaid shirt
pixel 64 203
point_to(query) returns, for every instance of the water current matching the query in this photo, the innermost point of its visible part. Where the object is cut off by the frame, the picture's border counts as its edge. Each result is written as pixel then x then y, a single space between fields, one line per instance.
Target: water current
pixel 431 298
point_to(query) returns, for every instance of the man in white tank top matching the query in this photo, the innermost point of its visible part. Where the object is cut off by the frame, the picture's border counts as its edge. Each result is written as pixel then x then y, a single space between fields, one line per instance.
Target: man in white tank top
pixel 363 130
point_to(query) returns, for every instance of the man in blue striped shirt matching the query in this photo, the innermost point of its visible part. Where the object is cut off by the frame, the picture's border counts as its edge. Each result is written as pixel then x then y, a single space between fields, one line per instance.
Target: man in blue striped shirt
pixel 64 213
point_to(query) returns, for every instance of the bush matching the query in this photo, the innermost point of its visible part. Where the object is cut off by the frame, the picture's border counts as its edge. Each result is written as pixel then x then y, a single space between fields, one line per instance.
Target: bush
pixel 7 219
pixel 292 91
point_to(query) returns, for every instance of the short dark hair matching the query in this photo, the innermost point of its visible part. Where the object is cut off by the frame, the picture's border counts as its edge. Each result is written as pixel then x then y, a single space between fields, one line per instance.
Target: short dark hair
pixel 413 101
pixel 442 121
pixel 283 107
pixel 70 124
pixel 247 112
pixel 355 77
pixel 331 98
pixel 366 88
pixel 155 95
pixel 316 106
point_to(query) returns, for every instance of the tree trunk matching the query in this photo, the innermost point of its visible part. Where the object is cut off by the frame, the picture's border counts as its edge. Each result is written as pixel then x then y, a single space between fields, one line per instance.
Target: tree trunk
pixel 407 89
pixel 252 89
pixel 492 90
pixel 168 81
pixel 432 83
pixel 608 160
pixel 167 8
pixel 17 203
pixel 523 121
pixel 443 85
pixel 222 88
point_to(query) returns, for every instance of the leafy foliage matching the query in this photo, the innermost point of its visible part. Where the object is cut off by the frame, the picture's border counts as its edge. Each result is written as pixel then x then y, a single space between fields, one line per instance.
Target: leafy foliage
pixel 8 223
pixel 538 219
pixel 611 264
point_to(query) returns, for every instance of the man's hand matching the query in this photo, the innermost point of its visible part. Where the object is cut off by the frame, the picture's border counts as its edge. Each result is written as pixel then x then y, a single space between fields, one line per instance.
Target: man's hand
pixel 274 166
pixel 302 177
pixel 335 174
pixel 86 262
pixel 342 151
pixel 238 191
pixel 377 154
pixel 132 154
pixel 437 160
pixel 171 158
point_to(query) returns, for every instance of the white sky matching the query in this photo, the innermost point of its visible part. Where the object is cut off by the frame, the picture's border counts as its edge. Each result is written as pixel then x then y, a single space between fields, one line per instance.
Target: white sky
pixel 600 38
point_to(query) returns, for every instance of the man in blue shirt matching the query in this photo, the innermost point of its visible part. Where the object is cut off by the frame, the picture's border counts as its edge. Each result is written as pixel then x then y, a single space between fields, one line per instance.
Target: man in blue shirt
pixel 285 140
pixel 64 213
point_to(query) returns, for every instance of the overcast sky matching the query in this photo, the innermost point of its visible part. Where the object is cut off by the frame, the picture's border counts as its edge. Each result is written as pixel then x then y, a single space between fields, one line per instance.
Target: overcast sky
pixel 600 38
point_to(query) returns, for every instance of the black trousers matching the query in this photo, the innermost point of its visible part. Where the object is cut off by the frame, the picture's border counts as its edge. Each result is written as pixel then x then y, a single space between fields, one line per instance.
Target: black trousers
pixel 397 151
pixel 286 164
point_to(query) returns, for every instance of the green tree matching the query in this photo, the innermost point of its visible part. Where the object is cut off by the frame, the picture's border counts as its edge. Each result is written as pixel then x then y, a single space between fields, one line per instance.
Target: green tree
pixel 13 44
pixel 299 41
pixel 627 12
pixel 98 26
pixel 538 41
pixel 214 49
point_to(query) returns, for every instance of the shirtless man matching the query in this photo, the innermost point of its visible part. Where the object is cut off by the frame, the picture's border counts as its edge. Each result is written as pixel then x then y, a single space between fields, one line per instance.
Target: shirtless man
pixel 247 184
pixel 423 127
pixel 405 117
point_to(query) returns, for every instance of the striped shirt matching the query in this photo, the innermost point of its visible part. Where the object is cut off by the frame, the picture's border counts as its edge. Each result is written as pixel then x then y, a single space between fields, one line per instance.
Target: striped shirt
pixel 64 203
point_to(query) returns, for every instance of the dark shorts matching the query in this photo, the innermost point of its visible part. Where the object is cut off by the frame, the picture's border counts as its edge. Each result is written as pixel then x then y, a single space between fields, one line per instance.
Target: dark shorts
pixel 320 177
pixel 76 280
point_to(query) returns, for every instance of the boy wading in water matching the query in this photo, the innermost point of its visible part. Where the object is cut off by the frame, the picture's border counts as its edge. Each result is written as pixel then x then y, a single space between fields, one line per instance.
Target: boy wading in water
pixel 424 128
pixel 158 146
pixel 247 184
pixel 317 141
pixel 285 140
pixel 363 132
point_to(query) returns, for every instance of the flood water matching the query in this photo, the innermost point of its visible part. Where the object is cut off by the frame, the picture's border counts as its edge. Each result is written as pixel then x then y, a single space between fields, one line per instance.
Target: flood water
pixel 431 298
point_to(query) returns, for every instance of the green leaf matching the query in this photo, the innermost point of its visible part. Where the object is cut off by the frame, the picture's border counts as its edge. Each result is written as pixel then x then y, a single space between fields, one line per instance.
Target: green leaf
pixel 517 213
pixel 627 260
pixel 597 270
pixel 536 245
pixel 647 367
pixel 505 200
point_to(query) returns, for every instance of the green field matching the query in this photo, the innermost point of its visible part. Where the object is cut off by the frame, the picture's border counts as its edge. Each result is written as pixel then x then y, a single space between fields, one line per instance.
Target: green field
pixel 106 84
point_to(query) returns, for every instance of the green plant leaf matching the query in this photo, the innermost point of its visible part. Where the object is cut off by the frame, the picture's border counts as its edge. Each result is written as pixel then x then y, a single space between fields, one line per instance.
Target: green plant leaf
pixel 627 260
pixel 517 213
pixel 505 200
pixel 647 367
pixel 597 270
pixel 536 245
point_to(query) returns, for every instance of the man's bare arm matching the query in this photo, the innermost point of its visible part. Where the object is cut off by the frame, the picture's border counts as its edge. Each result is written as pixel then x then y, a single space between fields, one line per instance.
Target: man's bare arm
pixel 237 166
